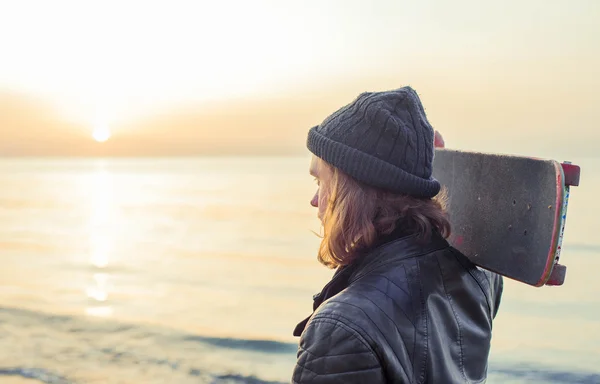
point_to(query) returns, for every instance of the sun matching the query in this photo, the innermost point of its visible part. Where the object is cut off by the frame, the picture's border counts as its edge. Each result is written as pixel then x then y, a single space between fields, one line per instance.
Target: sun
pixel 101 133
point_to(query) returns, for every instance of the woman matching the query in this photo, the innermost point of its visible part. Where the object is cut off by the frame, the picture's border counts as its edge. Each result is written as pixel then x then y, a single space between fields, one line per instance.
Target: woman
pixel 403 306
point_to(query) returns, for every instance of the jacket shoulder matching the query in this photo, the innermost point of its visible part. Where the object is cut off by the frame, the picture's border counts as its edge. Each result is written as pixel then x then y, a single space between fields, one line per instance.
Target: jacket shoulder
pixel 378 313
pixel 332 349
pixel 380 298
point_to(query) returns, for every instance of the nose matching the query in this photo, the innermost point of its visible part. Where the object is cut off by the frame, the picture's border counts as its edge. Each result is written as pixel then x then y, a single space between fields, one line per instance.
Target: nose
pixel 315 200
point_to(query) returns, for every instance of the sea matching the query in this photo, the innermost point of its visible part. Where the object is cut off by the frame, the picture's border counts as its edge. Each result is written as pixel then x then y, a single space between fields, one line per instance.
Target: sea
pixel 196 270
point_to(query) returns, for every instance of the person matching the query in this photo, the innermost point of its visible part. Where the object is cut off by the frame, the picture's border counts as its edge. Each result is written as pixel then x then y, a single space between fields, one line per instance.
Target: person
pixel 403 306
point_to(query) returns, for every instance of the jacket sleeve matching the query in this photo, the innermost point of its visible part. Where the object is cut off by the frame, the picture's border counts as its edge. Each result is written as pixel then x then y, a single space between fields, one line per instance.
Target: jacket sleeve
pixel 497 290
pixel 330 351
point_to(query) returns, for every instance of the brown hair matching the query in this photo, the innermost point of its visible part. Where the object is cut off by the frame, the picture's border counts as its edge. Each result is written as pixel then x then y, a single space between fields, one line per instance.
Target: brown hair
pixel 358 216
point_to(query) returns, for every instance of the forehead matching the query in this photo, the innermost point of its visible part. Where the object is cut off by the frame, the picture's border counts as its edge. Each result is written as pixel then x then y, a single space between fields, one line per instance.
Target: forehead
pixel 315 163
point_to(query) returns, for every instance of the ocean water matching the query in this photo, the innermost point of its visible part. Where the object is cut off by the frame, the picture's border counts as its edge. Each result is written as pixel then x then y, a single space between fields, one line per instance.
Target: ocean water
pixel 196 270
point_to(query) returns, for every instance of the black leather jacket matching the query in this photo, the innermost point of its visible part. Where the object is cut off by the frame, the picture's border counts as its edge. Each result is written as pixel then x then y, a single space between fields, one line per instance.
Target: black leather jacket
pixel 405 313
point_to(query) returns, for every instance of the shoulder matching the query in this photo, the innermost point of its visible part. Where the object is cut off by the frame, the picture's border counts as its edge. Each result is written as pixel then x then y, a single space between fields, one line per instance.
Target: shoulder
pixel 371 309
pixel 333 348
pixel 356 331
pixel 349 316
pixel 387 292
pixel 351 311
pixel 490 283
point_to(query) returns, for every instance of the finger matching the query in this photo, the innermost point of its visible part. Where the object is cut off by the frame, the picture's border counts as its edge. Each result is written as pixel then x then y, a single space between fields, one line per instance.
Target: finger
pixel 438 140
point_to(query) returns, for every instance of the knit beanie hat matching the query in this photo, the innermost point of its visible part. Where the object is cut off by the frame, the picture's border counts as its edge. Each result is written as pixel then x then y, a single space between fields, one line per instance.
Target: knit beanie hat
pixel 382 139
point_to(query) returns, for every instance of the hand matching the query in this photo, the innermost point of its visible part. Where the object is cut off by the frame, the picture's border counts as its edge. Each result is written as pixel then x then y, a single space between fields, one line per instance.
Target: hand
pixel 438 140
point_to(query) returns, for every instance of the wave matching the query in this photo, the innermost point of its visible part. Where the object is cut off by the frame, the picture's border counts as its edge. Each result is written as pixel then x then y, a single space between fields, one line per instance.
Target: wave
pixel 74 325
pixel 537 374
pixel 525 373
pixel 70 350
pixel 238 379
pixel 46 377
pixel 267 346
pixel 59 349
pixel 35 373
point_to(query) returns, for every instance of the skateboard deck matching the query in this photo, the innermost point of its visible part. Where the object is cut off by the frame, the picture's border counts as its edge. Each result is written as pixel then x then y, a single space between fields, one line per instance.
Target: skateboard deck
pixel 508 212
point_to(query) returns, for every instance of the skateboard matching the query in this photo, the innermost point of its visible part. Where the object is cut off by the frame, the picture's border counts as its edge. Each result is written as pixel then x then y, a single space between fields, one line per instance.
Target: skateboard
pixel 508 212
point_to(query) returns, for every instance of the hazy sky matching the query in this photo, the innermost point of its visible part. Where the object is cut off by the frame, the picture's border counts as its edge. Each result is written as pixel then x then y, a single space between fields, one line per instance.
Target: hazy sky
pixel 179 76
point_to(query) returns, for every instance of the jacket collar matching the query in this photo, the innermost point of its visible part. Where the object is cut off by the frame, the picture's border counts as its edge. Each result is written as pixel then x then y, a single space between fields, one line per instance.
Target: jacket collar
pixel 390 251
pixel 395 250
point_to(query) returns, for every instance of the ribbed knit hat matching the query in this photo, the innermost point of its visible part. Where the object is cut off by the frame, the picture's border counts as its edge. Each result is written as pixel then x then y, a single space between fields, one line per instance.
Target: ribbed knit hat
pixel 382 139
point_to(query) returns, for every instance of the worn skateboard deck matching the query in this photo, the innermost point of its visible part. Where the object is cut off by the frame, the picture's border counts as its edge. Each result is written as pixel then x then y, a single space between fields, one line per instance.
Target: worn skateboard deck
pixel 508 212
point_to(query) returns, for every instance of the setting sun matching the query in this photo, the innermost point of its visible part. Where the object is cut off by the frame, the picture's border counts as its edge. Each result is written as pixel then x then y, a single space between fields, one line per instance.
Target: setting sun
pixel 101 134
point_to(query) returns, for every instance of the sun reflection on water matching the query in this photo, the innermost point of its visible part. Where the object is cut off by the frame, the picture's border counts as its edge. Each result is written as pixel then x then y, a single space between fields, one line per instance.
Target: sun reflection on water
pixel 99 292
pixel 101 240
pixel 100 247
pixel 102 311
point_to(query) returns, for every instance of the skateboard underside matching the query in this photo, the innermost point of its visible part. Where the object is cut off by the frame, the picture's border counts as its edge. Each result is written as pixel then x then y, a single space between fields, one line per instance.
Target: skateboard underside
pixel 507 212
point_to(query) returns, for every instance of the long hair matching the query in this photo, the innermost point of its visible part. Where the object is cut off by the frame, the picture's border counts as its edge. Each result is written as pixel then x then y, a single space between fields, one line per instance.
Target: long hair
pixel 358 216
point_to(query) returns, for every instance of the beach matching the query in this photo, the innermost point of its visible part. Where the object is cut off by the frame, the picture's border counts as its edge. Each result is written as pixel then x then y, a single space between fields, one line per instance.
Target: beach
pixel 196 270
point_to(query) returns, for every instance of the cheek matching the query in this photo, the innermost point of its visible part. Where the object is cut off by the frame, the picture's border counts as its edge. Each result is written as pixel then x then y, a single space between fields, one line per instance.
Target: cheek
pixel 323 197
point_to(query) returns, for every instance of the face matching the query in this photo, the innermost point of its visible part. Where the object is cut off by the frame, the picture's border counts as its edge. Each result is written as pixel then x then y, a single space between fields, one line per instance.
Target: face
pixel 322 175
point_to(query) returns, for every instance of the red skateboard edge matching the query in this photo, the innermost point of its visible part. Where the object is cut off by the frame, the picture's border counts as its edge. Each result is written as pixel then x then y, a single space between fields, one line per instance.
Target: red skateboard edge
pixel 558 204
pixel 572 175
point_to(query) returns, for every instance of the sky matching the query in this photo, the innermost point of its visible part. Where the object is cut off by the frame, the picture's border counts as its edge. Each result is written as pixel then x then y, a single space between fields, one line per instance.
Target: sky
pixel 187 77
